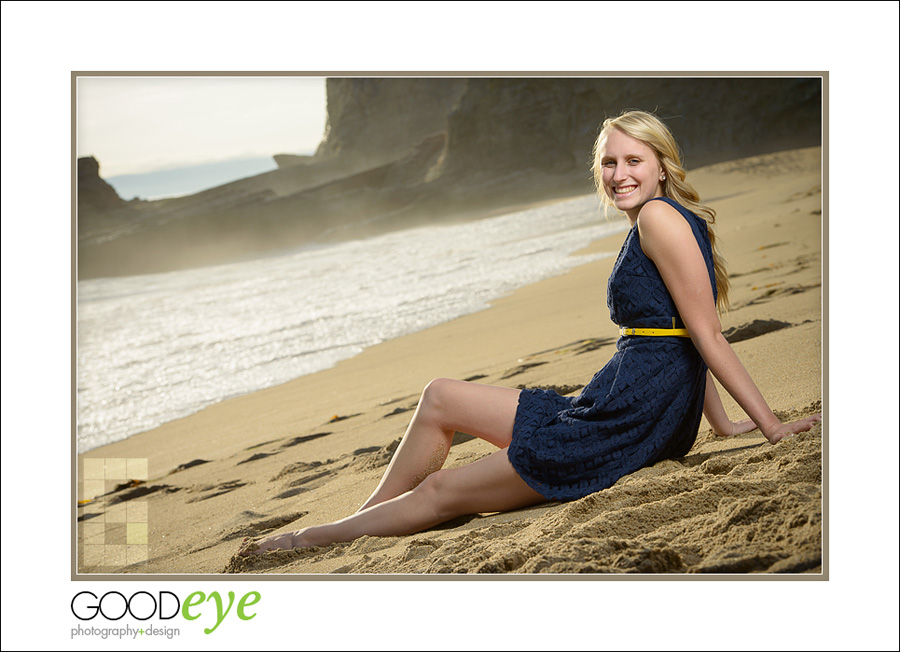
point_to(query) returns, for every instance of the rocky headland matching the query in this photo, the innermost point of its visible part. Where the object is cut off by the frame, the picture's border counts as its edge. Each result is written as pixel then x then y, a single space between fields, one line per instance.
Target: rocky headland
pixel 403 151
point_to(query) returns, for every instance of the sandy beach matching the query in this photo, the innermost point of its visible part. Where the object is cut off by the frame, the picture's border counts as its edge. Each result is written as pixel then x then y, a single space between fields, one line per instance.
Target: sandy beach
pixel 312 450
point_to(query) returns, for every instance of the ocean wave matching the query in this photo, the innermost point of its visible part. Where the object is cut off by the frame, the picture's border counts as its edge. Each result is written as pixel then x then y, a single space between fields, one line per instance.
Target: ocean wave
pixel 160 347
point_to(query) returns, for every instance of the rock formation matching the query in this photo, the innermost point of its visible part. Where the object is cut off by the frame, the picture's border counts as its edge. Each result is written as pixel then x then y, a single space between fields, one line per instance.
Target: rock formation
pixel 94 194
pixel 405 151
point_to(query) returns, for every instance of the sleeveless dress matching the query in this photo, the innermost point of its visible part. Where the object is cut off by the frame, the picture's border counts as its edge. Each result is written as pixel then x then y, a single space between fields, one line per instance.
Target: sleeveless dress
pixel 643 406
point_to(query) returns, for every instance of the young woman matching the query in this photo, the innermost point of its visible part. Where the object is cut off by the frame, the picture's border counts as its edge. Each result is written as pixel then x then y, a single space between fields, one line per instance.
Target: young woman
pixel 643 406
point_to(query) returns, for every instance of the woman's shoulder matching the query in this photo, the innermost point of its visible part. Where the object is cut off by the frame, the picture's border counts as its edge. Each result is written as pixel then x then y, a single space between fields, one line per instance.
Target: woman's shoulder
pixel 664 209
pixel 660 223
pixel 665 205
pixel 659 211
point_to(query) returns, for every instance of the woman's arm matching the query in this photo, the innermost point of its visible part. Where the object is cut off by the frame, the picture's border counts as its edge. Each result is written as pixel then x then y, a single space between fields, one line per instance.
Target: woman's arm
pixel 668 241
pixel 718 419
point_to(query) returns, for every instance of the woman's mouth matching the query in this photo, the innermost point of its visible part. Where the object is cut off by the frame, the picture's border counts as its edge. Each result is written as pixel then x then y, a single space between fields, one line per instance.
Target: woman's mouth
pixel 624 190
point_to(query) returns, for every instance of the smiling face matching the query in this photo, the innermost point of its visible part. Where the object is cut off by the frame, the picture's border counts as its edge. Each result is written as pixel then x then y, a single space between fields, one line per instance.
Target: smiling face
pixel 631 173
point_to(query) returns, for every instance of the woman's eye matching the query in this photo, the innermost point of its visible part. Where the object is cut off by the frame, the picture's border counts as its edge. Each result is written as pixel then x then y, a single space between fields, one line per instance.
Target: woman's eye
pixel 633 161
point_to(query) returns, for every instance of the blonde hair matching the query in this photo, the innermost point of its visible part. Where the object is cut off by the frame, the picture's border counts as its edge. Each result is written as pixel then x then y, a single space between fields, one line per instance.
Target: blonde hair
pixel 651 131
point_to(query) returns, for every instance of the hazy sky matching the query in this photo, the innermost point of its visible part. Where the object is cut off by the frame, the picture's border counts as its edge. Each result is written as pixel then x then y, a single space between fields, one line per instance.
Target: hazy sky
pixel 134 125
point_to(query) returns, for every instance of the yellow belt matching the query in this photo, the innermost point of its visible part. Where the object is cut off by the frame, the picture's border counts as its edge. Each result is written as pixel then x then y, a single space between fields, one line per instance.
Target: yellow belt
pixel 654 332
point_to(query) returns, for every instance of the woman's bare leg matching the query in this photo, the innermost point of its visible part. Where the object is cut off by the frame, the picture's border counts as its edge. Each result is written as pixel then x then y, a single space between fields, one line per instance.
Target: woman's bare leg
pixel 446 406
pixel 487 485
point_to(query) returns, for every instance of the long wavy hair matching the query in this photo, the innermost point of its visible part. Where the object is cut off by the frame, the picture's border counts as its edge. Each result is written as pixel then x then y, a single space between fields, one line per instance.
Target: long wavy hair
pixel 651 131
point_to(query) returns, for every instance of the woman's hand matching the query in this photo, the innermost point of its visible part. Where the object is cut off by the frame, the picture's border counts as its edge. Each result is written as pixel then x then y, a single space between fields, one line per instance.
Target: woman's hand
pixel 782 430
pixel 735 428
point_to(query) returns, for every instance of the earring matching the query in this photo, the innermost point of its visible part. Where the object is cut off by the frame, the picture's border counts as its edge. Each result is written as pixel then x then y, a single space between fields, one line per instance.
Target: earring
pixel 662 177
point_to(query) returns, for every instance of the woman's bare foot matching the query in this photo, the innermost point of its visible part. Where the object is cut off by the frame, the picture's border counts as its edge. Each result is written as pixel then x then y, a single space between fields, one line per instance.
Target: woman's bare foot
pixel 785 430
pixel 737 428
pixel 283 541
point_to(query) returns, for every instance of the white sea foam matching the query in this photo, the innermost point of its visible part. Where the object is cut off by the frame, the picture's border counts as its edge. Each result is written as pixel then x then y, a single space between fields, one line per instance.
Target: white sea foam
pixel 159 347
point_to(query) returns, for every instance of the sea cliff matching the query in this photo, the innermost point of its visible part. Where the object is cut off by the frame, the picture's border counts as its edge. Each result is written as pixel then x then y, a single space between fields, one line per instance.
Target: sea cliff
pixel 404 151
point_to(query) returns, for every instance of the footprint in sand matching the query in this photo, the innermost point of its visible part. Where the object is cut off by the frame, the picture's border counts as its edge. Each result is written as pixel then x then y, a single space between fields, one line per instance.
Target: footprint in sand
pixel 253 458
pixel 400 410
pixel 520 369
pixel 136 489
pixel 305 483
pixel 374 457
pixel 304 476
pixel 188 465
pixel 754 329
pixel 253 524
pixel 213 490
pixel 303 439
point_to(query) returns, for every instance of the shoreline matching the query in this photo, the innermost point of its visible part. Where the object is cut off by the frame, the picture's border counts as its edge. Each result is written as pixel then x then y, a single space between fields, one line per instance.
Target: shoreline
pixel 544 334
pixel 308 313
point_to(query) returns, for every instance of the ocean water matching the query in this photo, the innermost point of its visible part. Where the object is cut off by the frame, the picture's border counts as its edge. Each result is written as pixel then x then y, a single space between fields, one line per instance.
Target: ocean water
pixel 158 347
pixel 190 179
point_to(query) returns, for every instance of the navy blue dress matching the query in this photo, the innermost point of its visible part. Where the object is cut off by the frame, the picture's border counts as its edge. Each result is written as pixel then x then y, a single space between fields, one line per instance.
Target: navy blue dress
pixel 643 406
